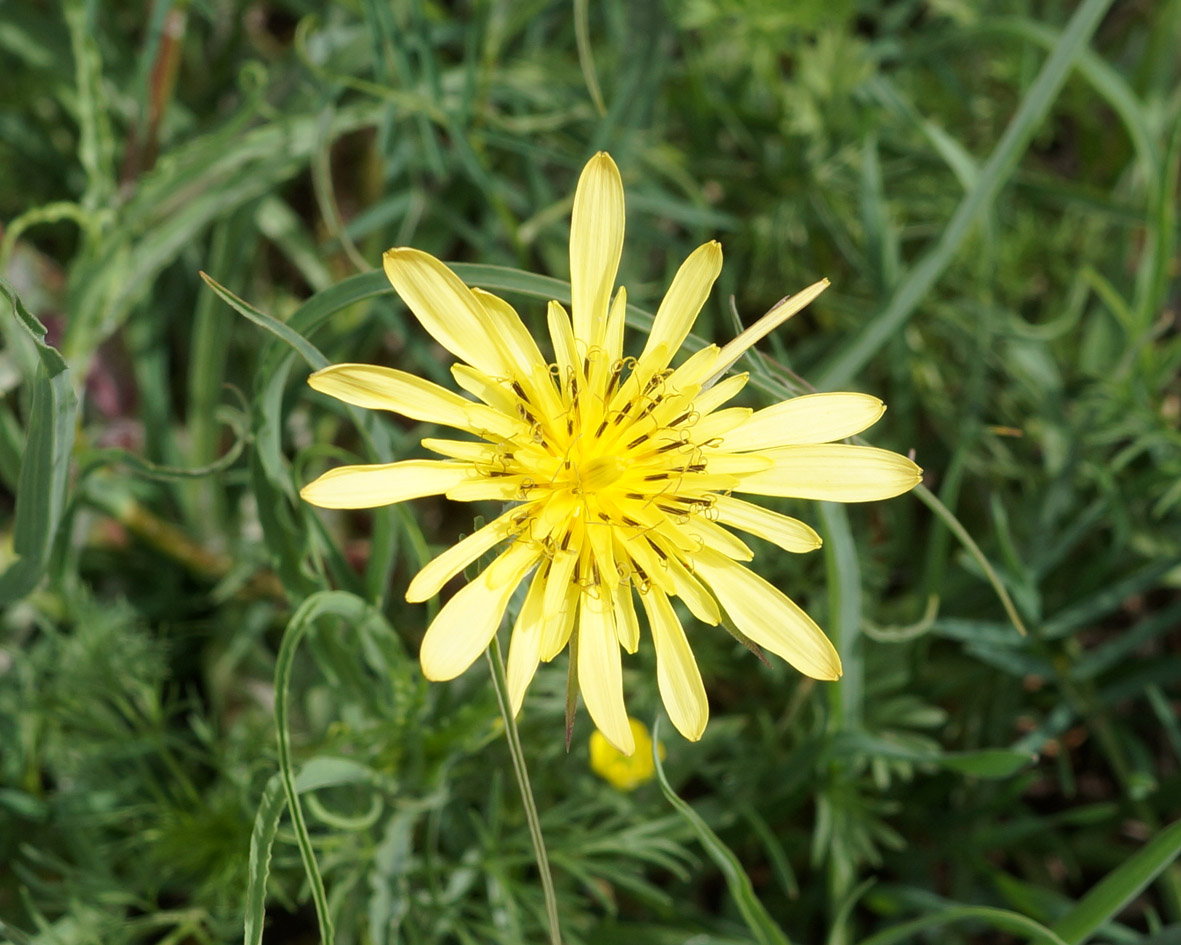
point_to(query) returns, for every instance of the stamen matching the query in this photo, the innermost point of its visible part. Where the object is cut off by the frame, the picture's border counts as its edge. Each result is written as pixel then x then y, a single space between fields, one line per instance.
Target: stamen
pixel 650 406
pixel 645 581
pixel 616 372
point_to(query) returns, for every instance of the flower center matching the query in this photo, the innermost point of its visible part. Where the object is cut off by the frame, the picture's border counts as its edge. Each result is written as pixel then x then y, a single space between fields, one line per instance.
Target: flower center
pixel 592 474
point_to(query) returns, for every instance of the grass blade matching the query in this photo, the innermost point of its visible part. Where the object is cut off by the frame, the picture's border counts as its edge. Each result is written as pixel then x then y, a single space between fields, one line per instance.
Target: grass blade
pixel 41 487
pixel 262 838
pixel 353 610
pixel 919 280
pixel 307 350
pixel 844 613
pixel 1120 886
pixel 1000 919
pixel 758 920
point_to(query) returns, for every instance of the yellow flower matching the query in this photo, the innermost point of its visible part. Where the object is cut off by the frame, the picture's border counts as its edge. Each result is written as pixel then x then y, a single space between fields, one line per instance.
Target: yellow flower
pixel 620 472
pixel 626 772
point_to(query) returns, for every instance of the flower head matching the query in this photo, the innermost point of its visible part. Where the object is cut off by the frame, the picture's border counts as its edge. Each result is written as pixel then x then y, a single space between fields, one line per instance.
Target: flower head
pixel 620 472
pixel 625 772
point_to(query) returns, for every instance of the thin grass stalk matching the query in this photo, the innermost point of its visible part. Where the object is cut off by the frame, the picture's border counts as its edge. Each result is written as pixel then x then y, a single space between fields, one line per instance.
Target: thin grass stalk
pixel 500 684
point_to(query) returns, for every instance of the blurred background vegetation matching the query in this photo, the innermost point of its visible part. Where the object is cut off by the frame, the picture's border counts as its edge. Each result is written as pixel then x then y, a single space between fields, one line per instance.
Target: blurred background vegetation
pixel 992 189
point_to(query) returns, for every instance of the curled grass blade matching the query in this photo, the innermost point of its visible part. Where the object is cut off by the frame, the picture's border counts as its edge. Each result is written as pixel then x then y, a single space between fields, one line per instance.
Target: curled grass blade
pixel 353 610
pixel 931 501
pixel 758 920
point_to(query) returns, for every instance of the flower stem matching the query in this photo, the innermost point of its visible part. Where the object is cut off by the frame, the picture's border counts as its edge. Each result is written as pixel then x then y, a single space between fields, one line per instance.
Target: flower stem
pixel 496 665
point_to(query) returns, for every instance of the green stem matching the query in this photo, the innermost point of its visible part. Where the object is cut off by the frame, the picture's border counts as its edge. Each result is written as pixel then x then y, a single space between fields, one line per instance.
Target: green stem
pixel 496 665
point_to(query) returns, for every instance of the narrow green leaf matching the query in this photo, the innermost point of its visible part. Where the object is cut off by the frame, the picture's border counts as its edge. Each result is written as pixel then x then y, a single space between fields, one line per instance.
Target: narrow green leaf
pixel 1000 919
pixel 988 762
pixel 307 350
pixel 586 59
pixel 1120 886
pixel 43 480
pixel 758 920
pixel 262 839
pixel 844 613
pixel 931 501
pixel 983 763
pixel 919 280
pixel 352 610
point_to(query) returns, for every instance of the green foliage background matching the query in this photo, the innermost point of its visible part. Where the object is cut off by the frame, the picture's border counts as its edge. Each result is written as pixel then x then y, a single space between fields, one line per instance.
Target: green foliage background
pixel 992 189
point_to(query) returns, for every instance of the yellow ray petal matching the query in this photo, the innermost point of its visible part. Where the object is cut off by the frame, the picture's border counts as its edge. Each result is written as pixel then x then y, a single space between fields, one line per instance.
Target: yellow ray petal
pixel 833 472
pixel 472 451
pixel 790 534
pixel 596 241
pixel 769 617
pixel 780 313
pixel 677 675
pixel 719 424
pixel 556 632
pixel 524 650
pixel 696 368
pixel 530 369
pixel 562 337
pixel 430 580
pixel 637 548
pixel 627 627
pixel 613 334
pixel 445 307
pixel 699 601
pixel 602 546
pixel 682 303
pixel 366 487
pixel 464 627
pixel 493 394
pixel 561 578
pixel 813 418
pixel 482 488
pixel 382 388
pixel 714 397
pixel 697 532
pixel 600 675
pixel 735 464
pixel 506 326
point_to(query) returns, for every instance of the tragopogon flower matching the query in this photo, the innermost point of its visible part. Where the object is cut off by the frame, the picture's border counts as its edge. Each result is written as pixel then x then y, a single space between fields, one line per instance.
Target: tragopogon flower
pixel 625 772
pixel 620 473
